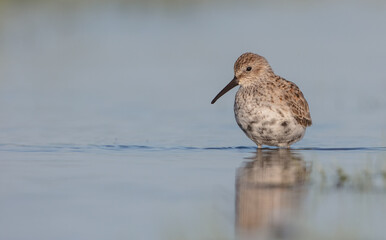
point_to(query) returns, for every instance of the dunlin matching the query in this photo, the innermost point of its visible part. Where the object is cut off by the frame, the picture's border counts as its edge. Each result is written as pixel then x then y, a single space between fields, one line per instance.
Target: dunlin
pixel 269 109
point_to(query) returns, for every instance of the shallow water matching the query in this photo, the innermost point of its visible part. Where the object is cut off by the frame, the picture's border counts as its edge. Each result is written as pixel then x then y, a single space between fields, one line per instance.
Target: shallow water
pixel 107 130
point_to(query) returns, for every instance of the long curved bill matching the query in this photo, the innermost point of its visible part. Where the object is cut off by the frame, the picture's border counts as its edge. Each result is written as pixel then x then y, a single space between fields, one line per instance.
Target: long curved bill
pixel 228 87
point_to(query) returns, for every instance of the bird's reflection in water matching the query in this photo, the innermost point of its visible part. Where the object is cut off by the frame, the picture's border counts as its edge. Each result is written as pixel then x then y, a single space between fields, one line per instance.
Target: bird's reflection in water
pixel 269 191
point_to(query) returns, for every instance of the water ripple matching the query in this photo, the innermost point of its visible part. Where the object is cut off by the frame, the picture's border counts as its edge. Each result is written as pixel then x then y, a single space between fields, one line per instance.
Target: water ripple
pixel 119 147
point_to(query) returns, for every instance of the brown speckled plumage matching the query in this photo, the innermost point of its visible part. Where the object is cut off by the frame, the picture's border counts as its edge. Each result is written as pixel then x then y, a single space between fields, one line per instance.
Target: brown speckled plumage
pixel 295 100
pixel 269 109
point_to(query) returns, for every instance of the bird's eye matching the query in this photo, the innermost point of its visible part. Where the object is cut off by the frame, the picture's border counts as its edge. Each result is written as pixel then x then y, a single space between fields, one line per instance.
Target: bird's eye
pixel 249 69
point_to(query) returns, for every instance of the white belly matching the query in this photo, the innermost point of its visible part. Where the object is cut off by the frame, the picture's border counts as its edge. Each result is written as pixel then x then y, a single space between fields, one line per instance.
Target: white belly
pixel 268 124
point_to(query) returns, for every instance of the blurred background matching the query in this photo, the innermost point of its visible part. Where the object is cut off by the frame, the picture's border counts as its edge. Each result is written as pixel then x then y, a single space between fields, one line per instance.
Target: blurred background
pixel 144 72
pixel 107 131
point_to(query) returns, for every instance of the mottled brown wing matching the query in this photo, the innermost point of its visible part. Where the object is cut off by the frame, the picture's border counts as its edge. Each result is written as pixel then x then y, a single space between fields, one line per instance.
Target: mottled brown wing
pixel 297 103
